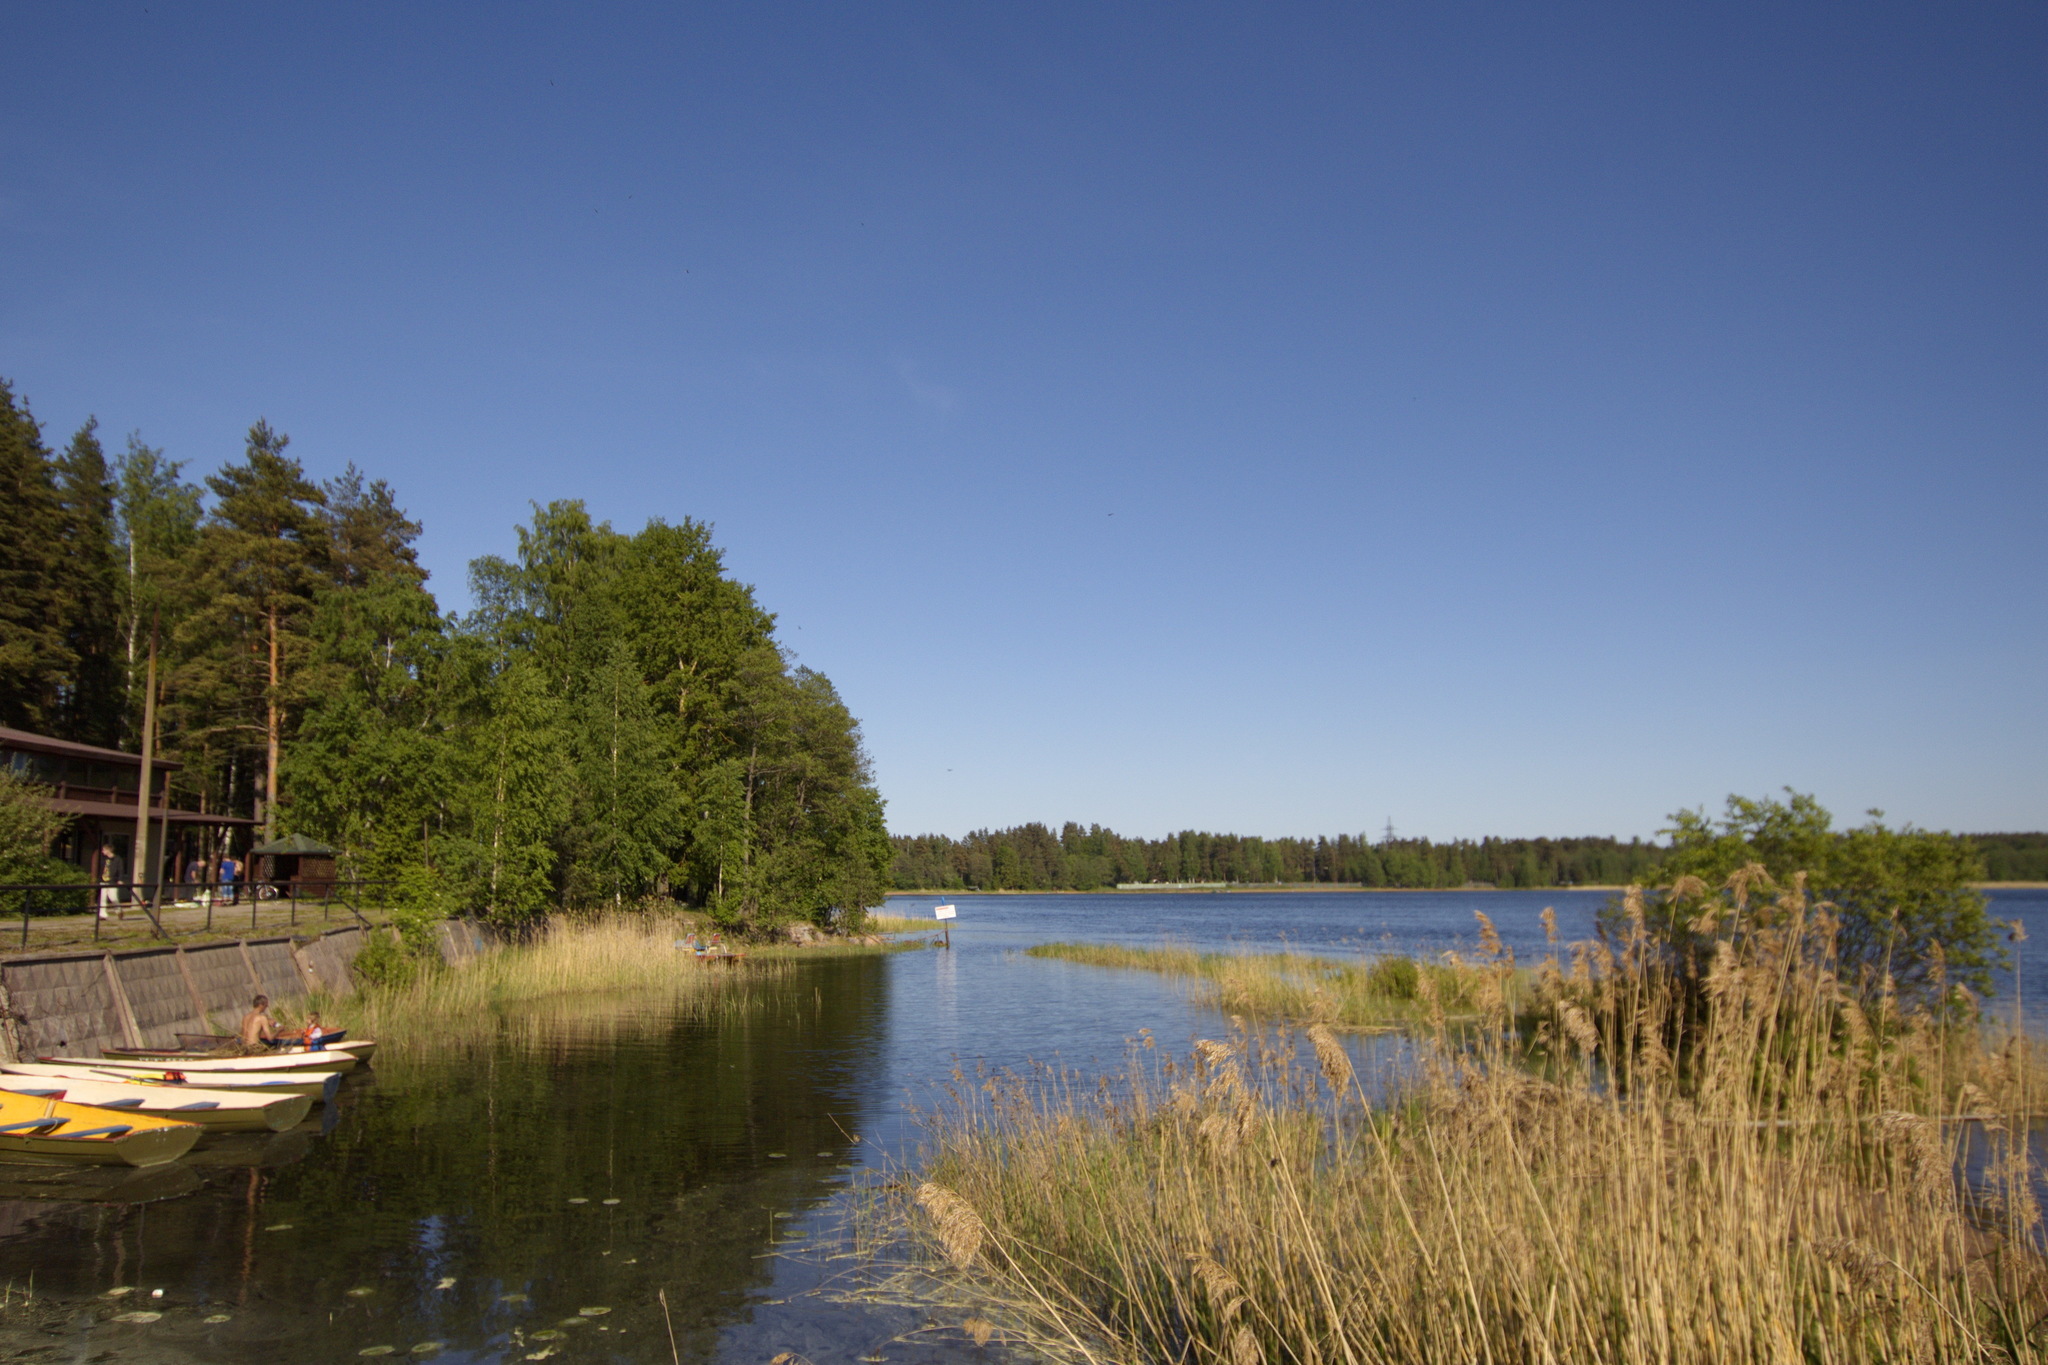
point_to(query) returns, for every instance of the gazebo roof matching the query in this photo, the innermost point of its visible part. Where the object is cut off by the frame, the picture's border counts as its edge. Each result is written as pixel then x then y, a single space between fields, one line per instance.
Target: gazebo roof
pixel 290 844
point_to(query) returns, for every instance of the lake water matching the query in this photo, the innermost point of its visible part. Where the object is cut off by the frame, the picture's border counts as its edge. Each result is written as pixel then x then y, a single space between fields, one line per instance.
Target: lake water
pixel 599 1158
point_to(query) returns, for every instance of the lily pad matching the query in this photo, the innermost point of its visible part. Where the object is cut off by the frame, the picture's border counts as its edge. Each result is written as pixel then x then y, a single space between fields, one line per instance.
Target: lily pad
pixel 447 1282
pixel 579 1201
pixel 361 1291
pixel 512 1298
pixel 542 1354
pixel 144 1316
pixel 575 1322
pixel 220 1317
pixel 279 1227
pixel 378 1351
pixel 593 1312
pixel 610 1202
pixel 118 1291
pixel 777 1156
pixel 429 1348
pixel 548 1334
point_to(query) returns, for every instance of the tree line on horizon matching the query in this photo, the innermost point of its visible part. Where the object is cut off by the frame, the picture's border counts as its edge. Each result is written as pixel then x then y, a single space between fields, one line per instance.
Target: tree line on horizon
pixel 613 721
pixel 1031 857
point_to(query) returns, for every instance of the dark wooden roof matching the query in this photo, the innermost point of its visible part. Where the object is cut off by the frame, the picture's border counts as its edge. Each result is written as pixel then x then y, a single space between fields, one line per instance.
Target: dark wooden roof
pixel 44 744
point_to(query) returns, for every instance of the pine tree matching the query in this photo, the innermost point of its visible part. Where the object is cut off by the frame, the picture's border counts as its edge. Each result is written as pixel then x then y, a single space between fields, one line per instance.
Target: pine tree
pixel 263 552
pixel 89 584
pixel 369 534
pixel 36 658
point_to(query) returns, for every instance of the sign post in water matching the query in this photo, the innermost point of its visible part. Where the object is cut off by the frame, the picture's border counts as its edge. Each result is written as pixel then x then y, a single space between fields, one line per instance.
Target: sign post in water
pixel 943 913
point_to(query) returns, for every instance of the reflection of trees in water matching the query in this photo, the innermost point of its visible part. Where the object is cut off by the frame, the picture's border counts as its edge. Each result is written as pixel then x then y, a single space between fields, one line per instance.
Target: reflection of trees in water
pixel 462 1166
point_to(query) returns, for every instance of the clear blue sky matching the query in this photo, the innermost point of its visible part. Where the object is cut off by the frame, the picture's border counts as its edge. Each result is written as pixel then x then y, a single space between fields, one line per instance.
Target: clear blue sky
pixel 1518 419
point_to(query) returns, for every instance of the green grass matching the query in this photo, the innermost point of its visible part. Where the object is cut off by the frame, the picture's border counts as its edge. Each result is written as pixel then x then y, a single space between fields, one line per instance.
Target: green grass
pixel 898 924
pixel 1348 993
pixel 580 975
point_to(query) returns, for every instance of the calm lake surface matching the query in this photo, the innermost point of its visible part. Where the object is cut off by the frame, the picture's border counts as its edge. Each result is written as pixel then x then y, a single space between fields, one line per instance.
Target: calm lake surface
pixel 593 1158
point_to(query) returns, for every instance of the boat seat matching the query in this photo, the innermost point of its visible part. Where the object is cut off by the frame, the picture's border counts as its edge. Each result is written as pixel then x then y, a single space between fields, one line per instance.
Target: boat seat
pixel 135 1103
pixel 111 1130
pixel 39 1094
pixel 198 1104
pixel 54 1121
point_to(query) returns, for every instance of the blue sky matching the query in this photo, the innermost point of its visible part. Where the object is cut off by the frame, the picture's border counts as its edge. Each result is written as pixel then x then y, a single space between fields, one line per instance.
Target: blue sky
pixel 1277 418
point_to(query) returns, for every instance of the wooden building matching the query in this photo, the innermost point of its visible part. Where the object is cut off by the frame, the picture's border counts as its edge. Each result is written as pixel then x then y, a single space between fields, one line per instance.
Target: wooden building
pixel 100 790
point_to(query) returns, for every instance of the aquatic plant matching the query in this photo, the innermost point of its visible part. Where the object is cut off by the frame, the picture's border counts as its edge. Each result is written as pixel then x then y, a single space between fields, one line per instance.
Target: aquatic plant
pixel 1354 993
pixel 1601 1170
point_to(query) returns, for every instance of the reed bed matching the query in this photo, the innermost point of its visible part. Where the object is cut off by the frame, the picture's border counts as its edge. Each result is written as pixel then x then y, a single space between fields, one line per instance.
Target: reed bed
pixel 587 967
pixel 1754 1163
pixel 899 924
pixel 1358 993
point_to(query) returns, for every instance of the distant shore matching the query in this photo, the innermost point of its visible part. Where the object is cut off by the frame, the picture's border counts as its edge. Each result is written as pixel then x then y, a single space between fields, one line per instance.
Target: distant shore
pixel 1238 889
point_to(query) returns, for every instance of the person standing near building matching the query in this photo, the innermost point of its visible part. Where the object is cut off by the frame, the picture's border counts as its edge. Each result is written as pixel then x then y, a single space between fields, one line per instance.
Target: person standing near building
pixel 110 875
pixel 229 870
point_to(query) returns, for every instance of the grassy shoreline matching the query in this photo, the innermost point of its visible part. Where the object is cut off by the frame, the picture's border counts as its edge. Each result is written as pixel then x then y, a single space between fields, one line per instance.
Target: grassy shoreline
pixel 611 966
pixel 1347 993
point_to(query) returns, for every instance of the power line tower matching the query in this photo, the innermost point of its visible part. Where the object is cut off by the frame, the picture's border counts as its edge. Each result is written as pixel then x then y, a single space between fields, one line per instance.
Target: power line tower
pixel 1389 838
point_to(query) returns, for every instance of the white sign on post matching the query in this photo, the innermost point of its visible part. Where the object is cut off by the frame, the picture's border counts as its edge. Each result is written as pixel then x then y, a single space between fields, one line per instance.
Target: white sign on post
pixel 945 912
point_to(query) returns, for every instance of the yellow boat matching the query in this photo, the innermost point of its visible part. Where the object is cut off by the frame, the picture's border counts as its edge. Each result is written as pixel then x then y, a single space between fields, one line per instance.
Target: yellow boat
pixel 47 1132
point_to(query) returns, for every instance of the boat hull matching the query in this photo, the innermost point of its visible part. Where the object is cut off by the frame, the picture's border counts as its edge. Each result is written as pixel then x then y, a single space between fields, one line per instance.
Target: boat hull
pixel 292 1061
pixel 217 1111
pixel 320 1086
pixel 81 1135
pixel 362 1051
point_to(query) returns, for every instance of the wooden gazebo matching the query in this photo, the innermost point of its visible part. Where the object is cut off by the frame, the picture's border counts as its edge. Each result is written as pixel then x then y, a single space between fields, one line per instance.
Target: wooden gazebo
pixel 297 866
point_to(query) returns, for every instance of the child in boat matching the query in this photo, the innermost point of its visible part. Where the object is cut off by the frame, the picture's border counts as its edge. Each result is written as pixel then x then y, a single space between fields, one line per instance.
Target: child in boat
pixel 313 1035
pixel 258 1027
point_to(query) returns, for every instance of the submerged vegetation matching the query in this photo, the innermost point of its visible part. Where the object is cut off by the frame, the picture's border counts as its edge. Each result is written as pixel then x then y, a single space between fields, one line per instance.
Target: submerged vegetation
pixel 1624 1170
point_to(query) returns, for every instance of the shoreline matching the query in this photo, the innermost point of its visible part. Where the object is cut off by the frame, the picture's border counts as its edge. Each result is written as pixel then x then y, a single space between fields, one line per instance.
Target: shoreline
pixel 1299 888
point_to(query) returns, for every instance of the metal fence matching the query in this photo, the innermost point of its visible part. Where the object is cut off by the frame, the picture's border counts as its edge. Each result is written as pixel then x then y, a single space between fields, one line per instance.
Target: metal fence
pixel 172 909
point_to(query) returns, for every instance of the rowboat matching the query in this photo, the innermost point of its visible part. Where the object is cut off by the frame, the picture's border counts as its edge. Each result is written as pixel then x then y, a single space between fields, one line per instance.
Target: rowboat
pixel 43 1132
pixel 320 1086
pixel 213 1110
pixel 362 1050
pixel 207 1042
pixel 292 1061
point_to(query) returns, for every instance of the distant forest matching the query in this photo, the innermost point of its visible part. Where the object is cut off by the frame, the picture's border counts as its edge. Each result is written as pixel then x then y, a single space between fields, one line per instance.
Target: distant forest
pixel 2013 857
pixel 1032 858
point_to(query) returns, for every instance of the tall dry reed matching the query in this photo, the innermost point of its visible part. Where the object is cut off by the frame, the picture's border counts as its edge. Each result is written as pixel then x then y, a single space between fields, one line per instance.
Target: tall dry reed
pixel 1753 1163
pixel 574 969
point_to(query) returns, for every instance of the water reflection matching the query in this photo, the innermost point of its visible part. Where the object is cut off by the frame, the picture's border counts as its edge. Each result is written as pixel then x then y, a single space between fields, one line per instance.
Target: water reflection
pixel 596 1152
pixel 487 1196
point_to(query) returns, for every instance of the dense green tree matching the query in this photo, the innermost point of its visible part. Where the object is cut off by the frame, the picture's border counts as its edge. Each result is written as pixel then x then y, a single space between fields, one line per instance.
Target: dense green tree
pixel 1906 898
pixel 36 657
pixel 369 534
pixel 366 768
pixel 89 590
pixel 1030 857
pixel 262 562
pixel 626 821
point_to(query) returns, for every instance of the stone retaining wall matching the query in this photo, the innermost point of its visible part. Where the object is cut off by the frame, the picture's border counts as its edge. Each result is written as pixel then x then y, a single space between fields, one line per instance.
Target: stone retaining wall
pixel 75 1004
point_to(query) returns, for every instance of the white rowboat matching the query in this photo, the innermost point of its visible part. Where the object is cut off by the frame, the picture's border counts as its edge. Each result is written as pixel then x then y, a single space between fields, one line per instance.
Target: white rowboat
pixel 244 1110
pixel 320 1086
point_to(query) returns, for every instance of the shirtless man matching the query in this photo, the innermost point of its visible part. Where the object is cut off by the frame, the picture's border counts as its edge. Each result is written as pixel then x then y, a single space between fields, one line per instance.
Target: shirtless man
pixel 257 1025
